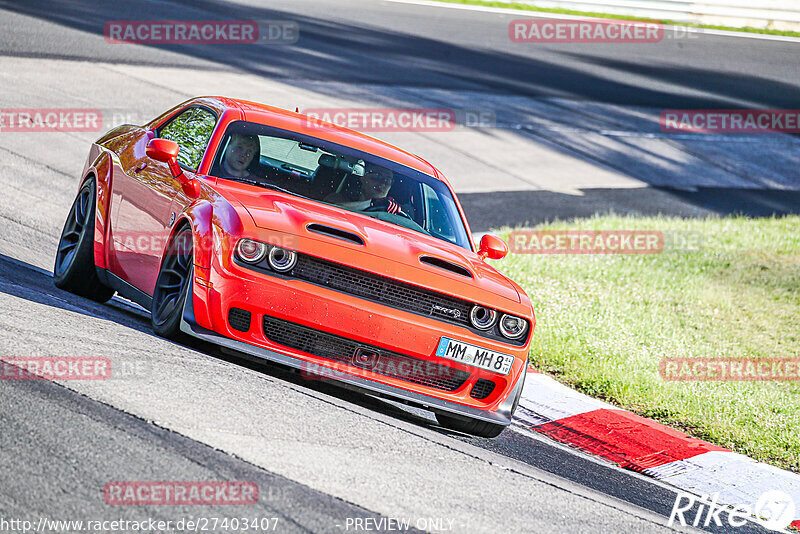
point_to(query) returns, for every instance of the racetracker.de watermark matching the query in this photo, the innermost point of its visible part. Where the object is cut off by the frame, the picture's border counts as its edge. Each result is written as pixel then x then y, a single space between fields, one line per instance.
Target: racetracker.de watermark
pixel 584 31
pixel 730 369
pixel 730 121
pixel 55 368
pixel 23 120
pixel 74 368
pixel 386 365
pixel 586 242
pixel 274 32
pixel 180 493
pixel 50 120
pixel 156 243
pixel 383 119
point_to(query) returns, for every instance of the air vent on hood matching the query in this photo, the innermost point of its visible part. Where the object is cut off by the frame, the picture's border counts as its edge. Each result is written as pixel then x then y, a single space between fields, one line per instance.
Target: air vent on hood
pixel 446 265
pixel 337 233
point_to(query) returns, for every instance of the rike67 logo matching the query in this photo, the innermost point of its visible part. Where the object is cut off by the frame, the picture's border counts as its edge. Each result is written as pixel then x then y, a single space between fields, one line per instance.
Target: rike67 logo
pixel 774 510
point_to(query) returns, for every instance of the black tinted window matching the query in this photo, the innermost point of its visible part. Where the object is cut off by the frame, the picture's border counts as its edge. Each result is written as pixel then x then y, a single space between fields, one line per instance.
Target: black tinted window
pixel 341 176
pixel 191 130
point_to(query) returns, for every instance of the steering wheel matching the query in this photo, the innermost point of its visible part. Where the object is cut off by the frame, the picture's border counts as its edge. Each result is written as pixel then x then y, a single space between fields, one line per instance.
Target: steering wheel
pixel 385 209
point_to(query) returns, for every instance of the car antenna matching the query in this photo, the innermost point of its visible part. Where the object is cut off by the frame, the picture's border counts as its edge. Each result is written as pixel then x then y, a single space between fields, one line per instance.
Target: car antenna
pixel 297 110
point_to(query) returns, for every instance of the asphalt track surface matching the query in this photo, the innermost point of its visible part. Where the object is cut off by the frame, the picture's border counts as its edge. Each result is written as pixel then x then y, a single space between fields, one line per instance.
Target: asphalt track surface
pixel 587 100
pixel 321 456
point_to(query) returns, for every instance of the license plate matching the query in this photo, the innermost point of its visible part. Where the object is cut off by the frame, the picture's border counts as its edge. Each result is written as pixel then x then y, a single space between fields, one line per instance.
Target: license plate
pixel 474 355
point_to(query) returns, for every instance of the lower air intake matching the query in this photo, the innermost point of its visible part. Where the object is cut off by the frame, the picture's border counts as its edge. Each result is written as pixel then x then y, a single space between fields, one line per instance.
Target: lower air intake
pixel 482 389
pixel 239 319
pixel 361 355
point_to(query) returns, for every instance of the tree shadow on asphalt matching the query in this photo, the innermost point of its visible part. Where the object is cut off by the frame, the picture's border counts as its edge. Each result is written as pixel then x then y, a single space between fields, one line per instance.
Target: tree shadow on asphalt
pixel 487 211
pixel 357 54
pixel 334 51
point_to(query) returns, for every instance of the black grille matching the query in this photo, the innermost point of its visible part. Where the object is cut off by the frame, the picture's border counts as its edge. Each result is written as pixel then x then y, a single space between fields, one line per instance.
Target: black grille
pixel 343 350
pixel 383 290
pixel 482 389
pixel 239 319
pixel 380 289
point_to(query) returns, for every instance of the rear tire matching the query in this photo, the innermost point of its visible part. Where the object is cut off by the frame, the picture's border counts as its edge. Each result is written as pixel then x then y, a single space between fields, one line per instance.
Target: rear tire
pixel 74 268
pixel 482 429
pixel 172 286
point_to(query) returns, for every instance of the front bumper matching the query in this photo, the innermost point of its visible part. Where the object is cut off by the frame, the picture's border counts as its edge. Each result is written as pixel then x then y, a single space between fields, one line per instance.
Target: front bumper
pixel 501 414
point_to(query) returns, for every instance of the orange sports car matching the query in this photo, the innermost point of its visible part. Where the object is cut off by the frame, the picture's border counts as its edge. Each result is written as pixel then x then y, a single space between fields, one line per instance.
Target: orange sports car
pixel 306 244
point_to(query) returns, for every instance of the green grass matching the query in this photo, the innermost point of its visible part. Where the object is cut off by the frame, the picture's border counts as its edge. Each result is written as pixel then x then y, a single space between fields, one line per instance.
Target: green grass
pixel 528 7
pixel 605 321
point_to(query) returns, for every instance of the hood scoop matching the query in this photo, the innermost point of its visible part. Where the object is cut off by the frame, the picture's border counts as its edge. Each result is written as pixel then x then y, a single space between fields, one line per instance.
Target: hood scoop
pixel 446 265
pixel 336 233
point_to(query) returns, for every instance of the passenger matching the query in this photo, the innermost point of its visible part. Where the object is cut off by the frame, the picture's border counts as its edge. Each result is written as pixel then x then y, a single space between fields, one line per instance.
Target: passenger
pixel 239 155
pixel 373 192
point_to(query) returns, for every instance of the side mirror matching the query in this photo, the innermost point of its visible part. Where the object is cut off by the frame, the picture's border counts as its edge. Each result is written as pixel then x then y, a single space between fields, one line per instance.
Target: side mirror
pixel 492 247
pixel 167 151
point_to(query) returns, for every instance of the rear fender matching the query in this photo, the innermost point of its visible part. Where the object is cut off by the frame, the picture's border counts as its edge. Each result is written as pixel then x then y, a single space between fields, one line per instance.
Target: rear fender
pixel 98 166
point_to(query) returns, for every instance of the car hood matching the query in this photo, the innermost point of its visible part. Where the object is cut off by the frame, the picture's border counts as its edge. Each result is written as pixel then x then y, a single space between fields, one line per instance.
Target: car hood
pixel 289 214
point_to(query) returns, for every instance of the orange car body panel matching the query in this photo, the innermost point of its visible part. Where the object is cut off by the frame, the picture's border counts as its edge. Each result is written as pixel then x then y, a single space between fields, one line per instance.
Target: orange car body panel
pixel 227 210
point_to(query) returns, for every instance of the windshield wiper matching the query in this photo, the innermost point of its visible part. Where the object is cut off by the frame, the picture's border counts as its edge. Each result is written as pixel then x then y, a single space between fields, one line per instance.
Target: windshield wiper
pixel 281 189
pixel 266 186
pixel 240 179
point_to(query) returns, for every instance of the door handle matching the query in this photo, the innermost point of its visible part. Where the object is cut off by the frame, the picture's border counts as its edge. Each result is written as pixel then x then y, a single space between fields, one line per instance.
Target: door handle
pixel 139 168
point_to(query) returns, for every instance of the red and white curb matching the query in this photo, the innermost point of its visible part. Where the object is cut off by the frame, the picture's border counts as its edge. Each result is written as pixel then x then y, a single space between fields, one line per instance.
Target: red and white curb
pixel 642 445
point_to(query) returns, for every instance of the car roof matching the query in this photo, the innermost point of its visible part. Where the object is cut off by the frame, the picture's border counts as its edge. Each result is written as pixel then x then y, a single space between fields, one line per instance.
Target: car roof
pixel 299 122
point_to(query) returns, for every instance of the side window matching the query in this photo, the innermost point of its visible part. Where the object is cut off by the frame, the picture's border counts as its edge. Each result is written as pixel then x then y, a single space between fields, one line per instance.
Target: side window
pixel 192 131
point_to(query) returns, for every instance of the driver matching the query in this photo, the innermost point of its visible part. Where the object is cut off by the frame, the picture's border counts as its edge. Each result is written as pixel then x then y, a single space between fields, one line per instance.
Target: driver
pixel 239 155
pixel 375 185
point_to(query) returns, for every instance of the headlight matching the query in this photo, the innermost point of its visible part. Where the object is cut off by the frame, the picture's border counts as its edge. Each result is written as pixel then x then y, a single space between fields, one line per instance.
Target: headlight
pixel 482 318
pixel 251 251
pixel 282 260
pixel 513 327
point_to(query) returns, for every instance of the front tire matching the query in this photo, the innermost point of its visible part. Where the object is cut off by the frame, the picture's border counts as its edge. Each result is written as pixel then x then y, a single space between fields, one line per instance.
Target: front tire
pixel 482 429
pixel 172 286
pixel 74 268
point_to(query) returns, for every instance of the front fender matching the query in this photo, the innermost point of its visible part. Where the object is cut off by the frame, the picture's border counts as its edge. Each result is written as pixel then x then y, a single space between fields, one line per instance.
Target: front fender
pixel 215 226
pixel 198 216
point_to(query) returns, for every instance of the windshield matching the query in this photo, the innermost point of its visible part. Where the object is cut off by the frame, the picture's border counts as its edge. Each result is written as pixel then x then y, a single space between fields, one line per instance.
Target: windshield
pixel 338 175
